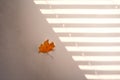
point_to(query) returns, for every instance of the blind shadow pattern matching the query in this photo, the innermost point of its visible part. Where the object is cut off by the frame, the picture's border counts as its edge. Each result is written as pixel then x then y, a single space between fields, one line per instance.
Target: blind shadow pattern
pixel 90 31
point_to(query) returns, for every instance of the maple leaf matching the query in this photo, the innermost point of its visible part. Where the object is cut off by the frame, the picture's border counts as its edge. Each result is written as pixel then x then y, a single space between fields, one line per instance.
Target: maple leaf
pixel 46 47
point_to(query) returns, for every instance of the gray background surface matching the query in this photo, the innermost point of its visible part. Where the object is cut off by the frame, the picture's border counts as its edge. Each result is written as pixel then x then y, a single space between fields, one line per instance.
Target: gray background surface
pixel 22 29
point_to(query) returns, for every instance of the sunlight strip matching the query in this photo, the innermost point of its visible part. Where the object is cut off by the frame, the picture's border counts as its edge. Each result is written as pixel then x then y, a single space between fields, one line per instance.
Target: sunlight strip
pixel 112 76
pixel 77 2
pixel 80 11
pixel 93 49
pixel 100 67
pixel 96 58
pixel 91 39
pixel 86 30
pixel 83 20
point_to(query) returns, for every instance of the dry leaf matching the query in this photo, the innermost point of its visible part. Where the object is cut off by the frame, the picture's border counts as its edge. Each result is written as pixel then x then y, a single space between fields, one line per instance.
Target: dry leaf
pixel 46 47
